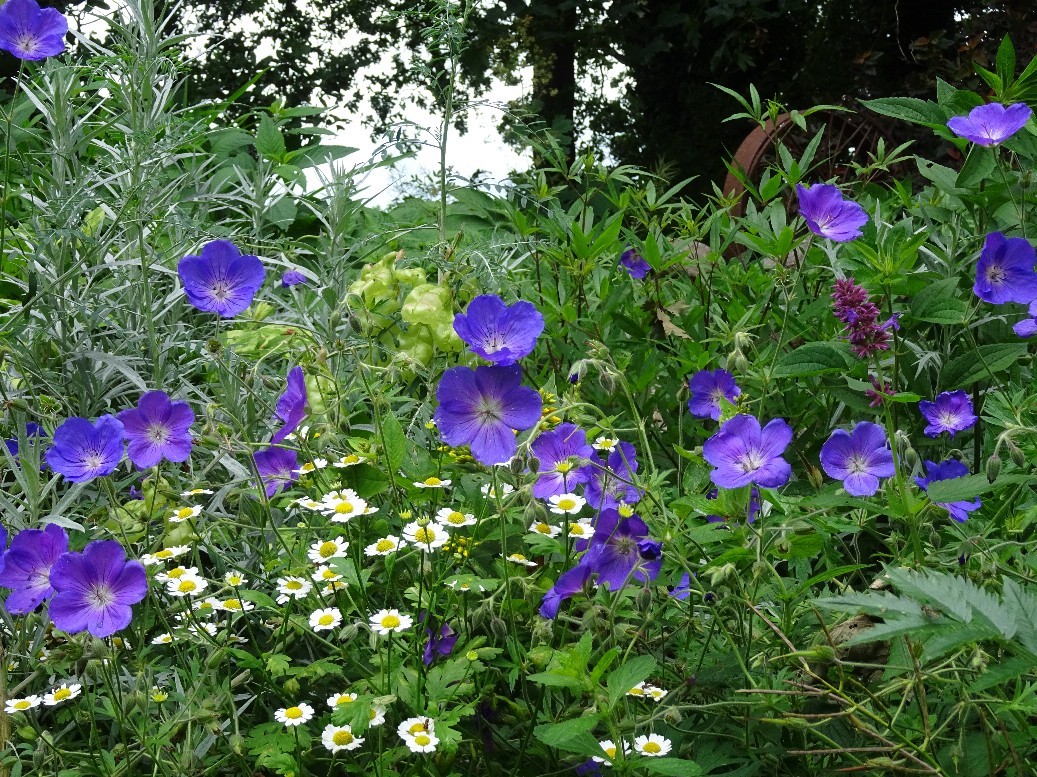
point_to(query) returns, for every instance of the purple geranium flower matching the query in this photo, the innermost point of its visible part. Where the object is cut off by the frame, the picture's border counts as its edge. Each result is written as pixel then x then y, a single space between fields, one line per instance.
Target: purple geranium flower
pixel 634 263
pixel 277 468
pixel 31 32
pixel 619 551
pixel 83 451
pixel 1004 272
pixel 951 412
pixel 829 214
pixel 27 566
pixel 682 590
pixel 949 470
pixel 292 278
pixel 481 408
pixel 990 124
pixel 497 332
pixel 157 429
pixel 1028 326
pixel 563 454
pixel 612 483
pixel 743 453
pixel 707 391
pixel 858 458
pixel 569 583
pixel 438 644
pixel 222 280
pixel 3 546
pixel 291 405
pixel 95 589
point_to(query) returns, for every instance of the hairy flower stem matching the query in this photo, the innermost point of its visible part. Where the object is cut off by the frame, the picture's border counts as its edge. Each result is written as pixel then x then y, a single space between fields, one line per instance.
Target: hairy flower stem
pixel 7 175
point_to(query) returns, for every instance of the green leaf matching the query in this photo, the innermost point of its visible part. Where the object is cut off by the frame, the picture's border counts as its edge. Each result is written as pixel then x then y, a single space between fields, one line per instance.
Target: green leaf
pixel 978 166
pixel 909 109
pixel 958 489
pixel 814 359
pixel 970 367
pixel 938 303
pixel 677 767
pixel 571 735
pixel 269 140
pixel 1006 61
pixel 628 675
pixel 394 441
pixel 556 680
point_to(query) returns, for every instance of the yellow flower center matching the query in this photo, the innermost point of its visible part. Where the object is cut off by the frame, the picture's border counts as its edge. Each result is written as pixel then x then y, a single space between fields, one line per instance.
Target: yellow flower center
pixel 22 704
pixel 307 467
pixel 652 747
pixel 626 510
pixel 176 572
pixel 159 696
pixel 326 620
pixel 232 604
pixel 293 585
pixel 422 739
pixel 425 535
pixel 455 517
pixel 342 738
pixel 576 530
pixel 383 545
pixel 433 482
pixel 517 557
pixel 234 580
pixel 563 467
pixel 164 554
pixel 418 728
pixel 293 713
pixel 186 586
pixel 327 549
pixel 390 622
pixel 610 751
pixel 328 574
pixel 184 513
pixel 543 528
pixel 566 504
pixel 351 459
pixel 636 692
pixel 61 694
pixel 344 508
pixel 373 714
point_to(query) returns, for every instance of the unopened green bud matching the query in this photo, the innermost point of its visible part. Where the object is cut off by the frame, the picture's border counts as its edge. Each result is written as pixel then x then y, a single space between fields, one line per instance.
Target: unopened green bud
pixel 910 458
pixel 644 598
pixel 815 477
pixel 517 465
pixel 499 628
pixel 993 468
pixel 534 465
pixel 1018 457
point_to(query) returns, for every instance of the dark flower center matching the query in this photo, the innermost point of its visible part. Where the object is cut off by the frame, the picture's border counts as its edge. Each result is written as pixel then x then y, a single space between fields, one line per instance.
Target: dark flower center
pixel 27 42
pixel 489 409
pixel 857 464
pixel 751 460
pixel 996 274
pixel 625 546
pixel 221 290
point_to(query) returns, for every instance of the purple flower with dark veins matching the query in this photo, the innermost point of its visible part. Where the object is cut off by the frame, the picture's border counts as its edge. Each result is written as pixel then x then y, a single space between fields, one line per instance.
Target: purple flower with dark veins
pixel 481 407
pixel 858 458
pixel 1004 272
pixel 743 453
pixel 829 214
pixel 277 468
pixel 30 32
pixel 95 589
pixel 991 124
pixel 709 390
pixel 634 263
pixel 951 412
pixel 949 470
pixel 221 280
pixel 83 451
pixel 563 453
pixel 499 333
pixel 157 429
pixel 610 484
pixel 569 583
pixel 623 552
pixel 292 278
pixel 291 405
pixel 27 565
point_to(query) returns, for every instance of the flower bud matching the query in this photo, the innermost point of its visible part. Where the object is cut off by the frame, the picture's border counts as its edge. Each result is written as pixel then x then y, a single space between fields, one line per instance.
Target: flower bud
pixel 910 458
pixel 534 465
pixel 1018 457
pixel 237 743
pixel 815 477
pixel 993 468
pixel 644 598
pixel 499 628
pixel 517 465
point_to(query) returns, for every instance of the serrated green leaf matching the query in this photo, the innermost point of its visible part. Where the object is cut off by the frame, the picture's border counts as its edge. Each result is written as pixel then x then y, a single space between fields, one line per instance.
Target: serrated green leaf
pixel 958 489
pixel 813 359
pixel 625 677
pixel 909 109
pixel 1024 606
pixel 970 367
pixel 570 735
pixel 677 767
pixel 556 680
pixel 937 303
pixel 269 140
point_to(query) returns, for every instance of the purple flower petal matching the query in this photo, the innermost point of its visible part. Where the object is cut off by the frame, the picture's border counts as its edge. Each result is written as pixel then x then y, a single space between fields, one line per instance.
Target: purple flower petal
pixel 829 214
pixel 221 280
pixel 1005 270
pixel 499 333
pixel 991 124
pixel 951 412
pixel 30 32
pixel 291 405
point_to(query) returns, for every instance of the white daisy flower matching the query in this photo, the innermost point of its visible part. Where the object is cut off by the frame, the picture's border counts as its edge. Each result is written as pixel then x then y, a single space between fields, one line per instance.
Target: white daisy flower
pixel 196 629
pixel 320 552
pixel 421 743
pixel 518 558
pixel 341 698
pixel 64 692
pixel 489 493
pixel 302 433
pixel 236 605
pixel 196 492
pixel 292 587
pixel 164 555
pixel 566 504
pixel 162 639
pixel 548 530
pixel 349 460
pixel 384 546
pixel 334 585
pixel 610 751
pixel 414 726
pixel 338 738
pixel 207 606
pixel 325 619
pixel 340 506
pixel 22 705
pixel 184 513
pixel 427 537
pixel 652 745
pixel 377 716
pixel 308 503
pixel 312 466
pixel 234 579
pixel 325 574
pixel 605 443
pixel 386 621
pixel 655 694
pixel 186 585
pixel 294 716
pixel 625 510
pixel 453 519
pixel 175 574
pixel 432 482
pixel 638 690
